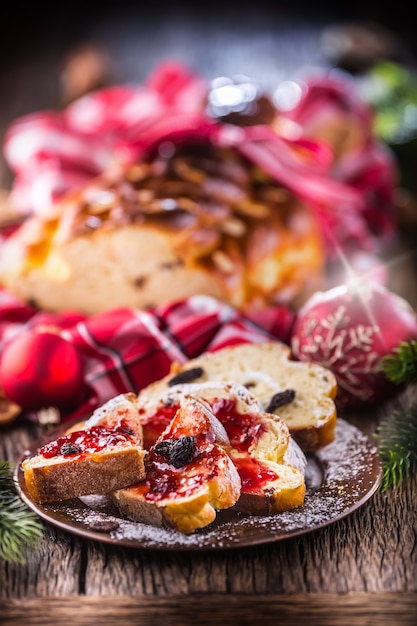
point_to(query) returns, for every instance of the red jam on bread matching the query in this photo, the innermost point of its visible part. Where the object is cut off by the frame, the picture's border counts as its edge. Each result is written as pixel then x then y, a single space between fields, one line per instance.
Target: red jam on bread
pixel 80 443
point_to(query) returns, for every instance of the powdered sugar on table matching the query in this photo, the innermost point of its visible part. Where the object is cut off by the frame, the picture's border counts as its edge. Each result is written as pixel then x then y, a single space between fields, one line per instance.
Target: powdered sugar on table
pixel 340 478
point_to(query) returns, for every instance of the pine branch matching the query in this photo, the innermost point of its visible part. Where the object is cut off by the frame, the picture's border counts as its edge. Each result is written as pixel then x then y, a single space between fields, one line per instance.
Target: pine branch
pixel 20 529
pixel 401 365
pixel 397 443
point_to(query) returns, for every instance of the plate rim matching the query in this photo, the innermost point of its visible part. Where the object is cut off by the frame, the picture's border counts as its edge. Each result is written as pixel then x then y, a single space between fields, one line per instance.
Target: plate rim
pixel 54 513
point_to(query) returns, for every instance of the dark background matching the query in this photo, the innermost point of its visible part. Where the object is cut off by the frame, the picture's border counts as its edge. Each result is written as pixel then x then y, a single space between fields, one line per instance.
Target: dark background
pixel 269 41
pixel 171 26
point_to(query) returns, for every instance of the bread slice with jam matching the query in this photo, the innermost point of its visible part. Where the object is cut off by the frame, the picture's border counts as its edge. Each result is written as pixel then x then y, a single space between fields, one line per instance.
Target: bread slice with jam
pixel 189 473
pixel 99 456
pixel 269 462
pixel 302 394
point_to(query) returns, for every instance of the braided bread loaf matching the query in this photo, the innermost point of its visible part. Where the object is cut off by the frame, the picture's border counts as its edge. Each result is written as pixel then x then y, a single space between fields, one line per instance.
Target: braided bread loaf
pixel 199 220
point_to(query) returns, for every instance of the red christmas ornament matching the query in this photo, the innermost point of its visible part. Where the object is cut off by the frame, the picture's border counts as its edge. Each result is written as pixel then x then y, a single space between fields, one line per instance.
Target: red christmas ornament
pixel 40 370
pixel 349 329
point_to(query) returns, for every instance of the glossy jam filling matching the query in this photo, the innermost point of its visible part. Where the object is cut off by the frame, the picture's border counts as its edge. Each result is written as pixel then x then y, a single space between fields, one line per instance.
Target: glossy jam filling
pixel 154 426
pixel 164 481
pixel 243 430
pixel 254 474
pixel 82 442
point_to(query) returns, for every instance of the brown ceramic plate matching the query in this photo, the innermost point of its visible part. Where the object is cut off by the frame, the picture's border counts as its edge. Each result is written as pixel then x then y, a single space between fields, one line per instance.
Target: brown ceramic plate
pixel 340 478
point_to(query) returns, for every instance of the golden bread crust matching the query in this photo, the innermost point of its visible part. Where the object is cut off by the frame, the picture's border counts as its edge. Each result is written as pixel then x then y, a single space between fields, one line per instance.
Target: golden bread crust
pixel 186 497
pixel 203 221
pixel 98 474
pixel 285 493
pixel 270 464
pixel 267 369
pixel 88 465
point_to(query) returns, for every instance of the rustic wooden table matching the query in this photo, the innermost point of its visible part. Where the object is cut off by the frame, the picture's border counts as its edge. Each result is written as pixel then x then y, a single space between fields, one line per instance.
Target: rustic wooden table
pixel 359 570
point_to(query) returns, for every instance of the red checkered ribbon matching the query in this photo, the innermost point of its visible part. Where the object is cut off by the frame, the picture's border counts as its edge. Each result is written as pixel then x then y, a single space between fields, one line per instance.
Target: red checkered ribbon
pixel 124 350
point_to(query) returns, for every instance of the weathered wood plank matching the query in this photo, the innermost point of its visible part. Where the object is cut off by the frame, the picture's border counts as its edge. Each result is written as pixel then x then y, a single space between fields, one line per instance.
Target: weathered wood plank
pixel 370 551
pixel 225 609
pixel 373 550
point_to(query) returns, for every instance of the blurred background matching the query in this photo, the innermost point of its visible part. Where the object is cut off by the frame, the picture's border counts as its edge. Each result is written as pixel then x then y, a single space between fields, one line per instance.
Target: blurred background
pixel 268 41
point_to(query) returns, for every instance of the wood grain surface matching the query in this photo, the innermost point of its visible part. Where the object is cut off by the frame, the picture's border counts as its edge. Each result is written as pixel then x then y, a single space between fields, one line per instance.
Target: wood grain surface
pixel 360 570
pixel 355 609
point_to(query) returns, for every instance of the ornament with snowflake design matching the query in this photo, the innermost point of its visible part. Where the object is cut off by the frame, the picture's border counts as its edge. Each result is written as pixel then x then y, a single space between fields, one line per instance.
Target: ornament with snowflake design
pixel 349 329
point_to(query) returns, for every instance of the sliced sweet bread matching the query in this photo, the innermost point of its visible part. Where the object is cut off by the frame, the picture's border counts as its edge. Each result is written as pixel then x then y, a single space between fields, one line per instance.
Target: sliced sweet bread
pixel 302 394
pixel 189 474
pixel 269 462
pixel 99 456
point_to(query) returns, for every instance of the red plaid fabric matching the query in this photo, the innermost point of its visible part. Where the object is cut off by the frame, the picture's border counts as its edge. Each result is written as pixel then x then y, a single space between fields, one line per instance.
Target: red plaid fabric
pixel 125 350
pixel 52 153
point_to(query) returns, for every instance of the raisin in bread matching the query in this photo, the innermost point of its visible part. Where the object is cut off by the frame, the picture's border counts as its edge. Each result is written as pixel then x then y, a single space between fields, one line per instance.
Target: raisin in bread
pixel 302 394
pixel 270 464
pixel 199 221
pixel 103 454
pixel 189 474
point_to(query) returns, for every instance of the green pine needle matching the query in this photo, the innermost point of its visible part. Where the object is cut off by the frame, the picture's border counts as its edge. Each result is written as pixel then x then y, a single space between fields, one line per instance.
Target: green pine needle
pixel 20 529
pixel 397 443
pixel 400 366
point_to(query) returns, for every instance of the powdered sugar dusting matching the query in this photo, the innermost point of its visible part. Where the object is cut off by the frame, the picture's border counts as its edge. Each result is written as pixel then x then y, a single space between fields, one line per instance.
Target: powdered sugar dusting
pixel 340 477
